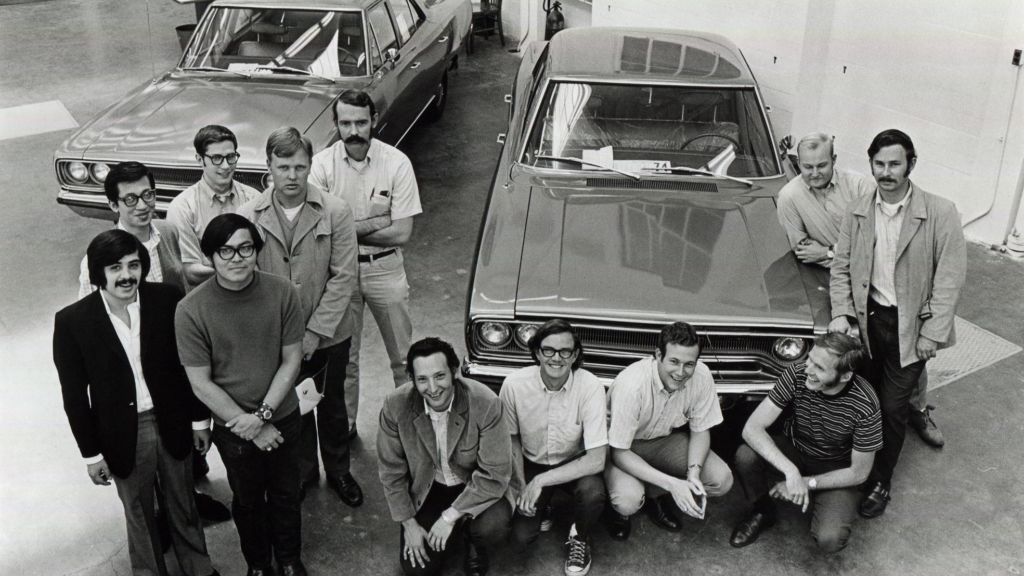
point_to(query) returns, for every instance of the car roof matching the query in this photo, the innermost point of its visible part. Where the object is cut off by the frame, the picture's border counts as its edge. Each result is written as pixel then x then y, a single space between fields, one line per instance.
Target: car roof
pixel 299 4
pixel 628 53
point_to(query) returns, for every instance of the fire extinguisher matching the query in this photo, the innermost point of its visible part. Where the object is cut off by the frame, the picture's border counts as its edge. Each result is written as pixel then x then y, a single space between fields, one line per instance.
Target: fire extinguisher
pixel 555 20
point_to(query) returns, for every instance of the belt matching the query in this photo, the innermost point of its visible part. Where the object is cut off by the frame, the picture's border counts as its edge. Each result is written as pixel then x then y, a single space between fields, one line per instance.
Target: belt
pixel 363 258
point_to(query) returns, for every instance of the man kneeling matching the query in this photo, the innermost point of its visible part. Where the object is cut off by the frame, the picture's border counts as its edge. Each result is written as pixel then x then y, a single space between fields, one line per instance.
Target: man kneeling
pixel 445 459
pixel 828 449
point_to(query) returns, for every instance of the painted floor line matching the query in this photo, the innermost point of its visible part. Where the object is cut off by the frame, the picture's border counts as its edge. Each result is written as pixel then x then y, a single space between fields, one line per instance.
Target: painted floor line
pixel 32 119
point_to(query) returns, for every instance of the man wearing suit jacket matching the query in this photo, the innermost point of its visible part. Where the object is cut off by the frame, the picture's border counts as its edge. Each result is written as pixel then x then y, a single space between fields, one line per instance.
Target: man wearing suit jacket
pixel 897 274
pixel 129 402
pixel 445 459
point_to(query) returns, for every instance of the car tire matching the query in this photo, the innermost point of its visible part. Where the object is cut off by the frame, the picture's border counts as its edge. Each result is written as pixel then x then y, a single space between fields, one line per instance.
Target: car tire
pixel 436 109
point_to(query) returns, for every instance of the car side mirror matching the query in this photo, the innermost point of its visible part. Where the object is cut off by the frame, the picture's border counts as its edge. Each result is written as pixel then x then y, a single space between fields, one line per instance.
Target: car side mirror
pixel 790 164
pixel 391 55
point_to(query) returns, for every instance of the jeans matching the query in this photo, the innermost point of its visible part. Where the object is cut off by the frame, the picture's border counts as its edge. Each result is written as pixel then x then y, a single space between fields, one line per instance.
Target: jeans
pixel 832 511
pixel 265 488
pixel 588 496
pixel 329 420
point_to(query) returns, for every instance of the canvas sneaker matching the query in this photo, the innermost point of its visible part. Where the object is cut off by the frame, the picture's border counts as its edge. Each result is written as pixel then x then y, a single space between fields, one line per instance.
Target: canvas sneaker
pixel 577 561
pixel 546 521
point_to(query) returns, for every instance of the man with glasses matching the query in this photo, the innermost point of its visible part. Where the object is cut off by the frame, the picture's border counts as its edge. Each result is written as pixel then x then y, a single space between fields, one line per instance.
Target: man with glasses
pixel 649 403
pixel 555 412
pixel 215 194
pixel 240 339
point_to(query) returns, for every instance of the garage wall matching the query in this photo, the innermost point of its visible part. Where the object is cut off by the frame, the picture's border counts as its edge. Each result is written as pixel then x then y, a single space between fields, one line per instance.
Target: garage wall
pixel 938 69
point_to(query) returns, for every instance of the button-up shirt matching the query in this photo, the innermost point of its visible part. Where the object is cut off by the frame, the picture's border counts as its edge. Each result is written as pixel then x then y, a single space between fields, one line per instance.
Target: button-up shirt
pixel 132 344
pixel 193 209
pixel 439 420
pixel 382 184
pixel 807 212
pixel 888 223
pixel 156 273
pixel 554 426
pixel 640 407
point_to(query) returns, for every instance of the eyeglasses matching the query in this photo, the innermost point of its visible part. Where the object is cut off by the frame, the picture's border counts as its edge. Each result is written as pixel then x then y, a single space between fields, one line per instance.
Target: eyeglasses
pixel 219 159
pixel 563 353
pixel 147 196
pixel 228 252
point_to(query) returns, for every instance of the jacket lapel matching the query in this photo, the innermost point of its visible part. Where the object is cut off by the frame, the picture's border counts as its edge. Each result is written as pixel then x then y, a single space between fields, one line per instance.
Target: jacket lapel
pixel 424 429
pixel 104 329
pixel 916 213
pixel 457 418
pixel 865 233
pixel 311 216
pixel 146 321
pixel 263 212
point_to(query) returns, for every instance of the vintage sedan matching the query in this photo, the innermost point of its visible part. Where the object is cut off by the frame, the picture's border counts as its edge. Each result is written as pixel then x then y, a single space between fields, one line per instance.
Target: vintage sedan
pixel 636 187
pixel 257 65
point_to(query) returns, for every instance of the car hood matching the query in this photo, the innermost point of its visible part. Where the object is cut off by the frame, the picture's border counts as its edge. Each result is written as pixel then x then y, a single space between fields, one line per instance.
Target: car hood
pixel 157 123
pixel 654 256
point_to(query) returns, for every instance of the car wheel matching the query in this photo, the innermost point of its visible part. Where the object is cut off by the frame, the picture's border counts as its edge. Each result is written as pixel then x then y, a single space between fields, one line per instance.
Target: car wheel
pixel 436 109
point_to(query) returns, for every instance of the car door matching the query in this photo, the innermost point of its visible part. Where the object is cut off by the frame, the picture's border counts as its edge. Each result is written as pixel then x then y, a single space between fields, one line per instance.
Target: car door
pixel 392 73
pixel 426 44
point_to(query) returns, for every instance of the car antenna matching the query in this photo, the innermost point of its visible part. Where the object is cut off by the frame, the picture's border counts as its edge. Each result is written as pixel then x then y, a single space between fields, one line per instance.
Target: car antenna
pixel 149 27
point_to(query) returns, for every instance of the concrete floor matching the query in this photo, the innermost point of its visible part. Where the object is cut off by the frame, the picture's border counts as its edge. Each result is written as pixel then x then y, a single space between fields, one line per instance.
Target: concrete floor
pixel 955 511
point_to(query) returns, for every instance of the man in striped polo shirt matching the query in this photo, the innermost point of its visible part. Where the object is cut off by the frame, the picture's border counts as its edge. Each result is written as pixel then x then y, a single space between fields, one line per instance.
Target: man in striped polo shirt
pixel 828 448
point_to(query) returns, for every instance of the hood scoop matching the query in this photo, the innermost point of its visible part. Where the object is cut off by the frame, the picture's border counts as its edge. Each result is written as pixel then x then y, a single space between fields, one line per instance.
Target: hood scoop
pixel 679 185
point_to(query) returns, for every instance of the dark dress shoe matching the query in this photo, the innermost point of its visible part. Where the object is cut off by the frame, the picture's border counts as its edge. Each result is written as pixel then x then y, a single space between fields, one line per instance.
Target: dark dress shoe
pixel 200 467
pixel 293 569
pixel 747 531
pixel 476 559
pixel 921 420
pixel 259 572
pixel 347 489
pixel 874 504
pixel 619 526
pixel 210 509
pixel 662 512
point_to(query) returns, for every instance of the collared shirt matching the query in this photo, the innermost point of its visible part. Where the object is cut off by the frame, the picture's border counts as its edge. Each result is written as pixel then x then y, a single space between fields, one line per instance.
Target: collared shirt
pixel 641 408
pixel 888 223
pixel 439 420
pixel 382 184
pixel 156 273
pixel 193 209
pixel 807 212
pixel 554 427
pixel 132 344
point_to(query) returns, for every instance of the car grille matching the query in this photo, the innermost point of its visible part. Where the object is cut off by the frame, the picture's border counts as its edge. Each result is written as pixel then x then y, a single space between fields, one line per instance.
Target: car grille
pixel 171 181
pixel 681 185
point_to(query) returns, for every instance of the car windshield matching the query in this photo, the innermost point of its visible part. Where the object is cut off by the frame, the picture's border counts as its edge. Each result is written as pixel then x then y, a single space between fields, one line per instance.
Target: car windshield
pixel 652 129
pixel 331 44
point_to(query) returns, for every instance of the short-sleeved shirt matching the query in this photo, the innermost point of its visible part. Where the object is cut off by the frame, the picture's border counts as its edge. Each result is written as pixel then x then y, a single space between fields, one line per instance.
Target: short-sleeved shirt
pixel 554 427
pixel 384 183
pixel 193 209
pixel 239 335
pixel 829 427
pixel 641 408
pixel 805 212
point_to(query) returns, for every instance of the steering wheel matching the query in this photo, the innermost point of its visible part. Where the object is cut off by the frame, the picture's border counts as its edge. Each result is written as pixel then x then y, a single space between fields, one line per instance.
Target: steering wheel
pixel 711 135
pixel 346 57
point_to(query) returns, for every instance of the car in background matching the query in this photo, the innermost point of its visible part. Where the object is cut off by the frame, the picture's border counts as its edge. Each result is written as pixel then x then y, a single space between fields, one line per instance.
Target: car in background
pixel 636 187
pixel 257 65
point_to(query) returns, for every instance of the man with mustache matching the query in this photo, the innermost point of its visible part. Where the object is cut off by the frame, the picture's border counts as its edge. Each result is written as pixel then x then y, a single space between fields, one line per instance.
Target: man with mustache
pixel 899 266
pixel 129 403
pixel 811 209
pixel 378 183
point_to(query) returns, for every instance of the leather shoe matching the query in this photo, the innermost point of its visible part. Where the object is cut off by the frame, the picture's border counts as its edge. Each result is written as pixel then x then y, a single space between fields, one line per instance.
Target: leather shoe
pixel 476 559
pixel 293 569
pixel 347 489
pixel 874 504
pixel 921 421
pixel 259 572
pixel 747 531
pixel 211 509
pixel 619 527
pixel 662 512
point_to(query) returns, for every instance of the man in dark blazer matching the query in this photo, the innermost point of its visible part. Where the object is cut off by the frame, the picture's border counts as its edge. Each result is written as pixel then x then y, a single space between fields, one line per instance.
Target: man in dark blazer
pixel 129 403
pixel 445 459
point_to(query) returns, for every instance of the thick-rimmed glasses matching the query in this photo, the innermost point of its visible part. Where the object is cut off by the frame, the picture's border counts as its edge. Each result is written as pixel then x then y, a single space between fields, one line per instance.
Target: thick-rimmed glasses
pixel 147 196
pixel 228 252
pixel 550 352
pixel 219 159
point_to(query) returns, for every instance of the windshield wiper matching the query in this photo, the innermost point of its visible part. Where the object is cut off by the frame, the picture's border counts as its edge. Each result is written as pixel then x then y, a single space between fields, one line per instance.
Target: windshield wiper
pixel 585 163
pixel 294 71
pixel 214 69
pixel 688 170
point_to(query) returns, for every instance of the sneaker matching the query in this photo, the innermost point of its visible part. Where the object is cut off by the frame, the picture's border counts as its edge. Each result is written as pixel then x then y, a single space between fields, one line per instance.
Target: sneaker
pixel 577 561
pixel 546 522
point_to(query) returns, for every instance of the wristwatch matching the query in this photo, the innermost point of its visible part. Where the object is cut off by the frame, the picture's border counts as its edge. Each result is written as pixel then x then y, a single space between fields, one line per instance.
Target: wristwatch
pixel 831 251
pixel 812 483
pixel 264 412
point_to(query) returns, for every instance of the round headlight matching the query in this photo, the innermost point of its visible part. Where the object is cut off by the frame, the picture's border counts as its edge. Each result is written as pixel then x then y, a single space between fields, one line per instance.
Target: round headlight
pixel 524 332
pixel 99 171
pixel 494 333
pixel 789 348
pixel 77 172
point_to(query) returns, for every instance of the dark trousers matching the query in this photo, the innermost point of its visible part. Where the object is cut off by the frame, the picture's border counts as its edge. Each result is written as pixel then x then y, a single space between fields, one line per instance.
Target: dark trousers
pixel 832 511
pixel 894 385
pixel 136 492
pixel 588 496
pixel 265 487
pixel 329 421
pixel 489 528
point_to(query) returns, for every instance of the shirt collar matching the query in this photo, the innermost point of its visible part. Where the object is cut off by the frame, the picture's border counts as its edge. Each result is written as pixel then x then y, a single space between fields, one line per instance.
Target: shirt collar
pixel 370 153
pixel 567 387
pixel 154 234
pixel 434 415
pixel 133 305
pixel 894 208
pixel 210 196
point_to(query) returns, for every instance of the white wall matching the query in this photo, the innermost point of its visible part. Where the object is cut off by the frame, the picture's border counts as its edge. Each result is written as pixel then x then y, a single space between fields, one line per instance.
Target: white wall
pixel 938 69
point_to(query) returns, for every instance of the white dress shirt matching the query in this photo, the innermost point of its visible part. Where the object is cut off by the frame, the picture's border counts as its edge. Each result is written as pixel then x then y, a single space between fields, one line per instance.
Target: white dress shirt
pixel 439 420
pixel 888 223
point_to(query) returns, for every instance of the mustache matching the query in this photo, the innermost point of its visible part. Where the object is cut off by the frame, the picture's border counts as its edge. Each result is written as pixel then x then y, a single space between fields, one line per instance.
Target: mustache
pixel 356 139
pixel 127 283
